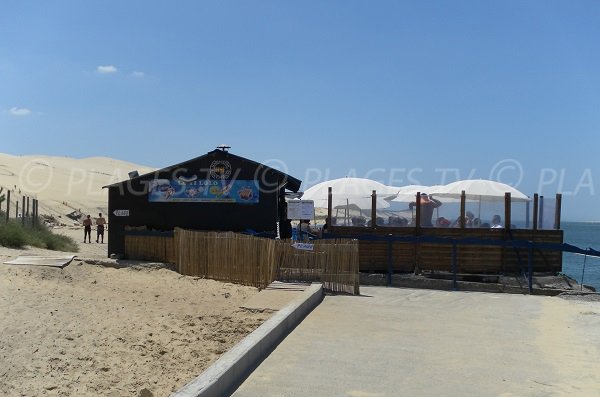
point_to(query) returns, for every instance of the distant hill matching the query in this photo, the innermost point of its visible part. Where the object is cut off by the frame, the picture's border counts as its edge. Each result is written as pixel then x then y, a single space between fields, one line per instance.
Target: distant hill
pixel 63 184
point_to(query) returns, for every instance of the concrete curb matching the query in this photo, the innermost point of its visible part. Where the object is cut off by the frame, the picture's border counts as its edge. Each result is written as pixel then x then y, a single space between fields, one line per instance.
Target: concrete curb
pixel 229 371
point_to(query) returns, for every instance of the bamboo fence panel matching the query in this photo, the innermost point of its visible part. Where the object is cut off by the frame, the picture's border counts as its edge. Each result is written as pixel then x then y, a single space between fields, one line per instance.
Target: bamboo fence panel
pixel 150 248
pixel 226 256
pixel 248 260
pixel 333 262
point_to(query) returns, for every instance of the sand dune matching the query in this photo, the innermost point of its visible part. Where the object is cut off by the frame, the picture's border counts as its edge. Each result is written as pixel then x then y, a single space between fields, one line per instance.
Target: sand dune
pixel 63 184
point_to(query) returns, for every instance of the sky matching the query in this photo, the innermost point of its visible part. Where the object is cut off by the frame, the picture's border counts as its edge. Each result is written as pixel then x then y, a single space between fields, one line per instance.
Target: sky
pixel 403 92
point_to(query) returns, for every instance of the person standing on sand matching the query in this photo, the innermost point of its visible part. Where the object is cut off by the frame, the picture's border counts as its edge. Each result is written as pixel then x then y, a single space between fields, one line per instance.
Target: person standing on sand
pixel 100 222
pixel 87 229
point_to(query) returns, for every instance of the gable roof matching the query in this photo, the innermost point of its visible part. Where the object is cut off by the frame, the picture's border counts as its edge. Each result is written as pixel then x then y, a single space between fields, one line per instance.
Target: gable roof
pixel 291 183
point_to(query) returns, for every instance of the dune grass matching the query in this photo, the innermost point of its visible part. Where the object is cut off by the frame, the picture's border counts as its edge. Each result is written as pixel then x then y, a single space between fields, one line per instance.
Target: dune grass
pixel 14 234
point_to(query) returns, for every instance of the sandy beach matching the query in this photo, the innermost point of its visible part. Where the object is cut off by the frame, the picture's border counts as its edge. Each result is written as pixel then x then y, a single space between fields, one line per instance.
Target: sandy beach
pixel 92 330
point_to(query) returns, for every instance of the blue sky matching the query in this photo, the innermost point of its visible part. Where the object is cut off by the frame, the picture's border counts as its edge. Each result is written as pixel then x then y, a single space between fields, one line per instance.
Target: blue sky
pixel 404 92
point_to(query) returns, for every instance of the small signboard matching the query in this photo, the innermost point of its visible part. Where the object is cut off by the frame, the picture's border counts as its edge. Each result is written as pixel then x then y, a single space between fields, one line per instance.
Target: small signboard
pixel 121 212
pixel 300 209
pixel 304 246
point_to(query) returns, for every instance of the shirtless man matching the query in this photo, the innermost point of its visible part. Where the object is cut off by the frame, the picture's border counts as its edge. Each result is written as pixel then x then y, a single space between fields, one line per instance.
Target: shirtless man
pixel 87 229
pixel 100 222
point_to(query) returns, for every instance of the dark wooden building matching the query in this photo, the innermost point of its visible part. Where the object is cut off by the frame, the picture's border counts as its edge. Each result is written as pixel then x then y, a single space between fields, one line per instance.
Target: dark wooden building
pixel 216 191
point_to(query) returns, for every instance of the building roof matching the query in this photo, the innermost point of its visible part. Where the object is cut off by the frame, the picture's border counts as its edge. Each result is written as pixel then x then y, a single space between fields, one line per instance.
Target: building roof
pixel 291 183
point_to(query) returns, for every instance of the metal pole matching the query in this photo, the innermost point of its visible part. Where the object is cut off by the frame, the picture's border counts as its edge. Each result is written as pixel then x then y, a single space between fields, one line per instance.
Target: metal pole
pixel 583 271
pixel 454 267
pixel 530 269
pixel 23 212
pixel 390 265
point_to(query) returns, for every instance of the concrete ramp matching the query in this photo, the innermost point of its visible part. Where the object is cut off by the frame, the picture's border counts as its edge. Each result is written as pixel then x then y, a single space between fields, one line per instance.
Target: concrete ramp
pixel 276 296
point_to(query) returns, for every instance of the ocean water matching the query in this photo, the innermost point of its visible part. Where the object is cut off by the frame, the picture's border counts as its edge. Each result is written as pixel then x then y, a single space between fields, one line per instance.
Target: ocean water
pixel 583 235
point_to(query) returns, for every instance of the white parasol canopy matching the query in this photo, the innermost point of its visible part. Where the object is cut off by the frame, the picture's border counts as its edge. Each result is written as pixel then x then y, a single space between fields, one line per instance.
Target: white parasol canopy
pixel 348 191
pixel 480 190
pixel 409 193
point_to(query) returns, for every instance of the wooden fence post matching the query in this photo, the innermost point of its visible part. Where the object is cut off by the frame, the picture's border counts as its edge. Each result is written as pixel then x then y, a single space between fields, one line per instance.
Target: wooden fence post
pixel 417 229
pixel 373 210
pixel 35 212
pixel 541 213
pixel 507 210
pixel 329 207
pixel 535 211
pixel 557 211
pixel 7 206
pixel 418 213
pixel 463 199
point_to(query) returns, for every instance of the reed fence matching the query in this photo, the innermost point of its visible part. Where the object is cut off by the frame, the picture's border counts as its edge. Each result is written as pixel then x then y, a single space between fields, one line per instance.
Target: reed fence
pixel 226 256
pixel 248 260
pixel 150 248
pixel 333 262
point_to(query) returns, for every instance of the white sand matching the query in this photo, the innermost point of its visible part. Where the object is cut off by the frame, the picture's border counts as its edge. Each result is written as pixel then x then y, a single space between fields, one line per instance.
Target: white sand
pixel 88 330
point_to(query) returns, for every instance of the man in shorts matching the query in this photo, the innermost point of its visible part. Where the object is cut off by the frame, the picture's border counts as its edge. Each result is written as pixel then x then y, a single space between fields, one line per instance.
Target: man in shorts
pixel 100 222
pixel 87 229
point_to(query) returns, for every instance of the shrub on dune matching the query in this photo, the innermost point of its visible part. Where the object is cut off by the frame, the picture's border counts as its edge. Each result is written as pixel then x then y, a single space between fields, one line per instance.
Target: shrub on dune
pixel 13 234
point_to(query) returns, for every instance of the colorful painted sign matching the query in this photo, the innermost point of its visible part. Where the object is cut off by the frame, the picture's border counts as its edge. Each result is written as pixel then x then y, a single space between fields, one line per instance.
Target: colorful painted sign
pixel 209 191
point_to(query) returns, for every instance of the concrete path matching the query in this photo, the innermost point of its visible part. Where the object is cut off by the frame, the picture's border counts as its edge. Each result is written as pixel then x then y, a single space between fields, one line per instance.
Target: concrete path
pixel 409 342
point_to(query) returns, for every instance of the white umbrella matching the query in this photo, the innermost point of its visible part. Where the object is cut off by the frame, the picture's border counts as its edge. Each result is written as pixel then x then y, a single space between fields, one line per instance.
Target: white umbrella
pixel 409 193
pixel 480 190
pixel 347 191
